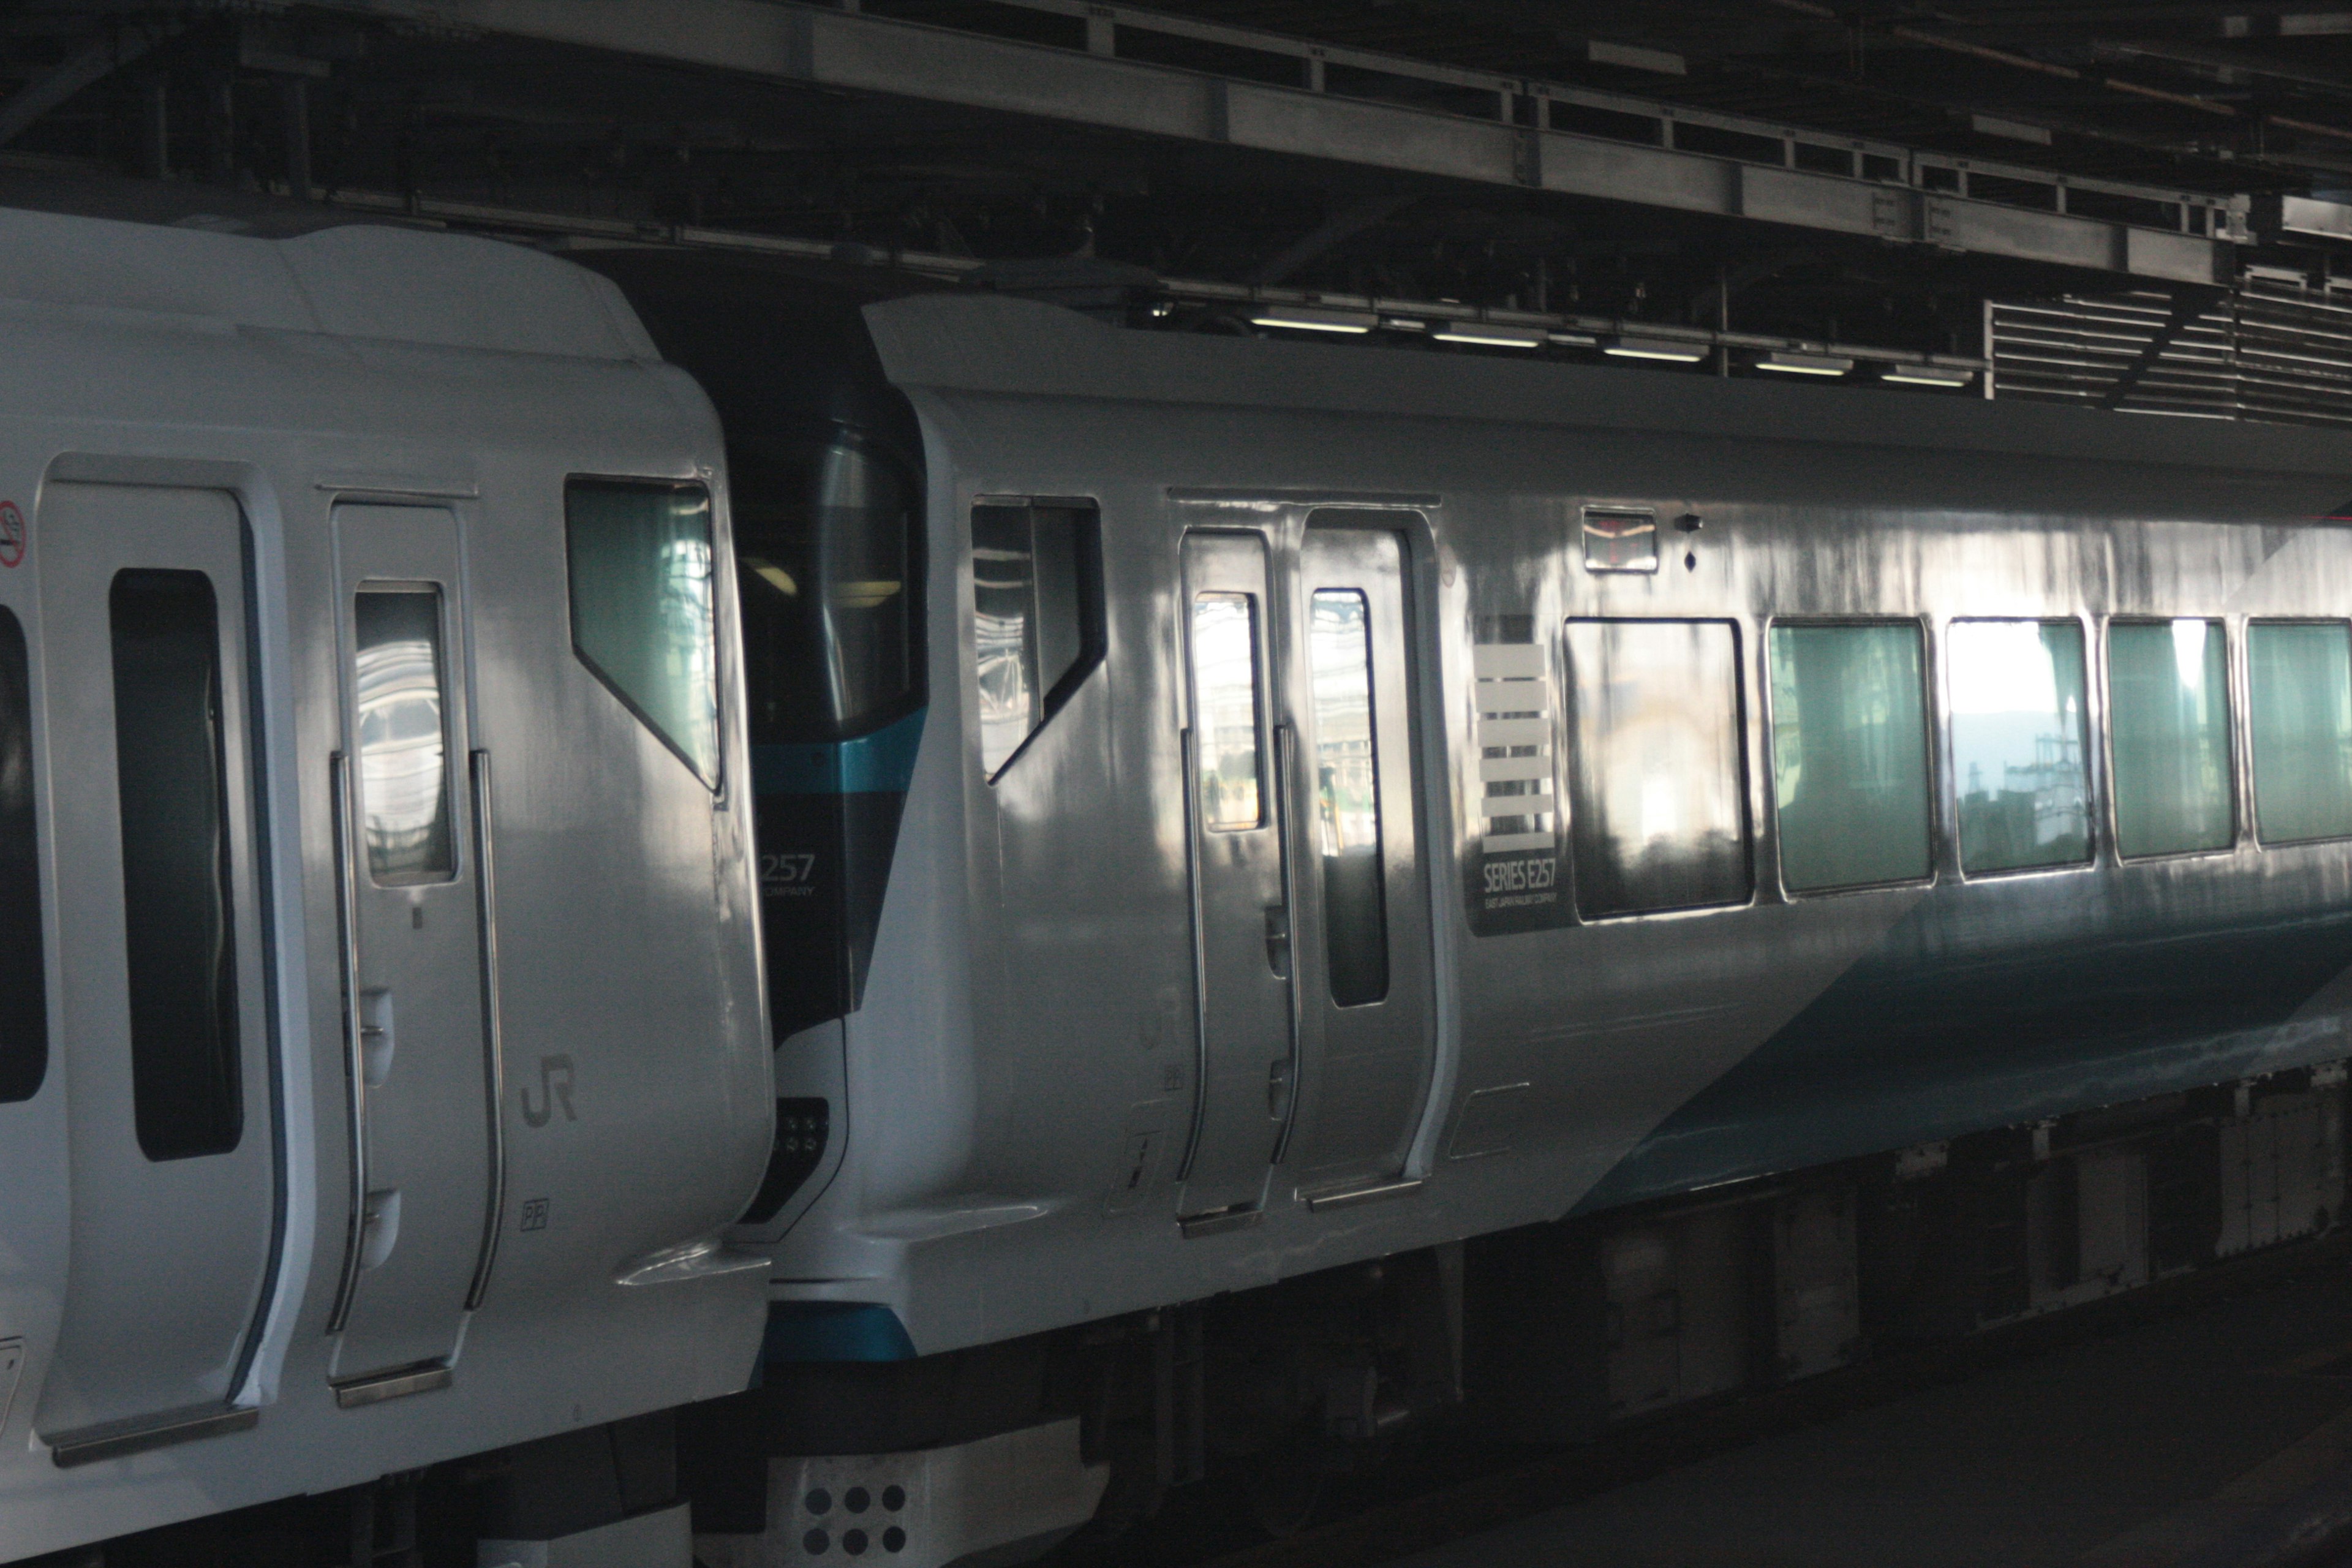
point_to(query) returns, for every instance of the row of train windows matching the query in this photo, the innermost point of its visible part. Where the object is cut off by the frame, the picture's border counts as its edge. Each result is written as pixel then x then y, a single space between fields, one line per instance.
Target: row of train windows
pixel 1656 791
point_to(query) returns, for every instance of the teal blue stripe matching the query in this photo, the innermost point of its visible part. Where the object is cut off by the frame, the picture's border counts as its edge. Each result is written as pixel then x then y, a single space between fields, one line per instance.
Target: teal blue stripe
pixel 835 1330
pixel 882 762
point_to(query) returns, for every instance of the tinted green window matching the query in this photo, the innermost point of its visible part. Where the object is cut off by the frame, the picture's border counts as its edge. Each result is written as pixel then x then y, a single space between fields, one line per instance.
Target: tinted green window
pixel 24 990
pixel 2017 743
pixel 642 614
pixel 2301 690
pixel 2171 720
pixel 1657 815
pixel 1850 754
pixel 179 929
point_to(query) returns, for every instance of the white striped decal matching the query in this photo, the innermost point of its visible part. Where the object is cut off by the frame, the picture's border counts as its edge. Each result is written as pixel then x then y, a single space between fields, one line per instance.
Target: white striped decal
pixel 1515 808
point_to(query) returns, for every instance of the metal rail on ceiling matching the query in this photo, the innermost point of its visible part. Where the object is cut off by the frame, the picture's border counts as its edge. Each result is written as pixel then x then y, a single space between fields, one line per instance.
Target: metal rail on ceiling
pixel 1343 108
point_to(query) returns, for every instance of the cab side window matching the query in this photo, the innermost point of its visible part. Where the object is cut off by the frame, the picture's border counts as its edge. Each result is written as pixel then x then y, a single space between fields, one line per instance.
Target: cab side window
pixel 642 615
pixel 1036 616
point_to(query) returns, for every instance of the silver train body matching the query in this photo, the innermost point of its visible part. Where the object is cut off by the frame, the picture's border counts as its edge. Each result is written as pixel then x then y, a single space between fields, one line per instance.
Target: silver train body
pixel 381 1017
pixel 1078 1082
pixel 1321 806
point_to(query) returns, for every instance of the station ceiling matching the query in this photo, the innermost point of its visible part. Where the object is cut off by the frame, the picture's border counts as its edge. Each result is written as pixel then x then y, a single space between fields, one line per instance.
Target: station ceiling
pixel 1830 172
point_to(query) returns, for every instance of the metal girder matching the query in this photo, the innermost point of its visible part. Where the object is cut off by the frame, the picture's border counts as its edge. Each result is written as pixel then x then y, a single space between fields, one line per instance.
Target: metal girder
pixel 103 54
pixel 853 52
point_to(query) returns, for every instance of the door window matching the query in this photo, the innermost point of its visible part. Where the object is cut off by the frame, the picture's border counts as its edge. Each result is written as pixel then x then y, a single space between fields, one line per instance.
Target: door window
pixel 1657 819
pixel 2170 718
pixel 642 611
pixel 2300 684
pixel 1348 795
pixel 2017 744
pixel 1224 711
pixel 178 922
pixel 1037 621
pixel 404 747
pixel 24 991
pixel 1850 754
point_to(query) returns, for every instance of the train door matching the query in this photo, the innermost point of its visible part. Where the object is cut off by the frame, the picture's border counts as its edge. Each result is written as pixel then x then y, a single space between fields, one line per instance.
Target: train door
pixel 422 1105
pixel 1365 968
pixel 164 1000
pixel 1240 897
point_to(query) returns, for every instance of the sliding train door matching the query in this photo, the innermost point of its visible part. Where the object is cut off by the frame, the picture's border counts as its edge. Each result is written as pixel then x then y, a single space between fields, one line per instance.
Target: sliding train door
pixel 1241 895
pixel 145 595
pixel 1366 979
pixel 421 1078
pixel 1310 914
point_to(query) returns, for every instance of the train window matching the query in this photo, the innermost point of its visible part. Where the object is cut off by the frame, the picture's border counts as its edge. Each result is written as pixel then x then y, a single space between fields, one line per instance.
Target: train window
pixel 1850 754
pixel 1348 796
pixel 24 990
pixel 1656 816
pixel 831 638
pixel 178 922
pixel 2299 680
pixel 2169 718
pixel 1225 711
pixel 642 616
pixel 1037 623
pixel 404 747
pixel 2018 737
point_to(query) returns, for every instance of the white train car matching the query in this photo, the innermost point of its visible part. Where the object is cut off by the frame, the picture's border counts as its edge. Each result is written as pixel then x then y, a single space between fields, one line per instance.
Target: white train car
pixel 1331 885
pixel 382 1037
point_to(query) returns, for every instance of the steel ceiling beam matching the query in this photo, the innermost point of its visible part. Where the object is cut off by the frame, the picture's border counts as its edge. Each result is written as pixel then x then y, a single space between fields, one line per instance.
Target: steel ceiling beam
pixel 1923 200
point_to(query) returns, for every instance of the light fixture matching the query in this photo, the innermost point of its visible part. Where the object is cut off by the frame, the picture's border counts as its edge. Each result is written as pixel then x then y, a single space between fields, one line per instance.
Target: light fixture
pixel 1927 375
pixel 1403 324
pixel 1492 336
pixel 1666 348
pixel 1804 364
pixel 1574 340
pixel 1312 319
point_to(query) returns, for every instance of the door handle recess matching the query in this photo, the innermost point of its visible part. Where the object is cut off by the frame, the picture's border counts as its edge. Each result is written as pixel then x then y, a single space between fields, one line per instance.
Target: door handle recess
pixel 1278 940
pixel 375 1037
pixel 1277 1089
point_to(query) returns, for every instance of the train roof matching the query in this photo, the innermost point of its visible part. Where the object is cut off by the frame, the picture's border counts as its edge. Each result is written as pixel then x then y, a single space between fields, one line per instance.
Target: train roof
pixel 354 279
pixel 973 342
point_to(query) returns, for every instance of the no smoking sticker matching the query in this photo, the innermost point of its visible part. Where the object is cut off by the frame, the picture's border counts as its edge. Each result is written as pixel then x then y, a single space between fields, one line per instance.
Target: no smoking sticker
pixel 11 534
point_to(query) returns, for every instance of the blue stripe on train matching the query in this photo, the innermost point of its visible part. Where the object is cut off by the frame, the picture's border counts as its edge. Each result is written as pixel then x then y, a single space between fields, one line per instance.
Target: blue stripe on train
pixel 883 762
pixel 1947 1026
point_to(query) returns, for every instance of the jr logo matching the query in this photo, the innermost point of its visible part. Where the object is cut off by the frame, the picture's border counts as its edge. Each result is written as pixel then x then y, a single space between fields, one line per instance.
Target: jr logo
pixel 554 1090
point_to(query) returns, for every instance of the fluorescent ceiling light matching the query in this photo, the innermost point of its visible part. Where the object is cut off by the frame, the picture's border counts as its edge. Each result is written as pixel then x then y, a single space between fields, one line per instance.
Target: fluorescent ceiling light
pixel 1928 375
pixel 1309 318
pixel 1492 336
pixel 1574 340
pixel 1403 324
pixel 1666 348
pixel 1805 365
